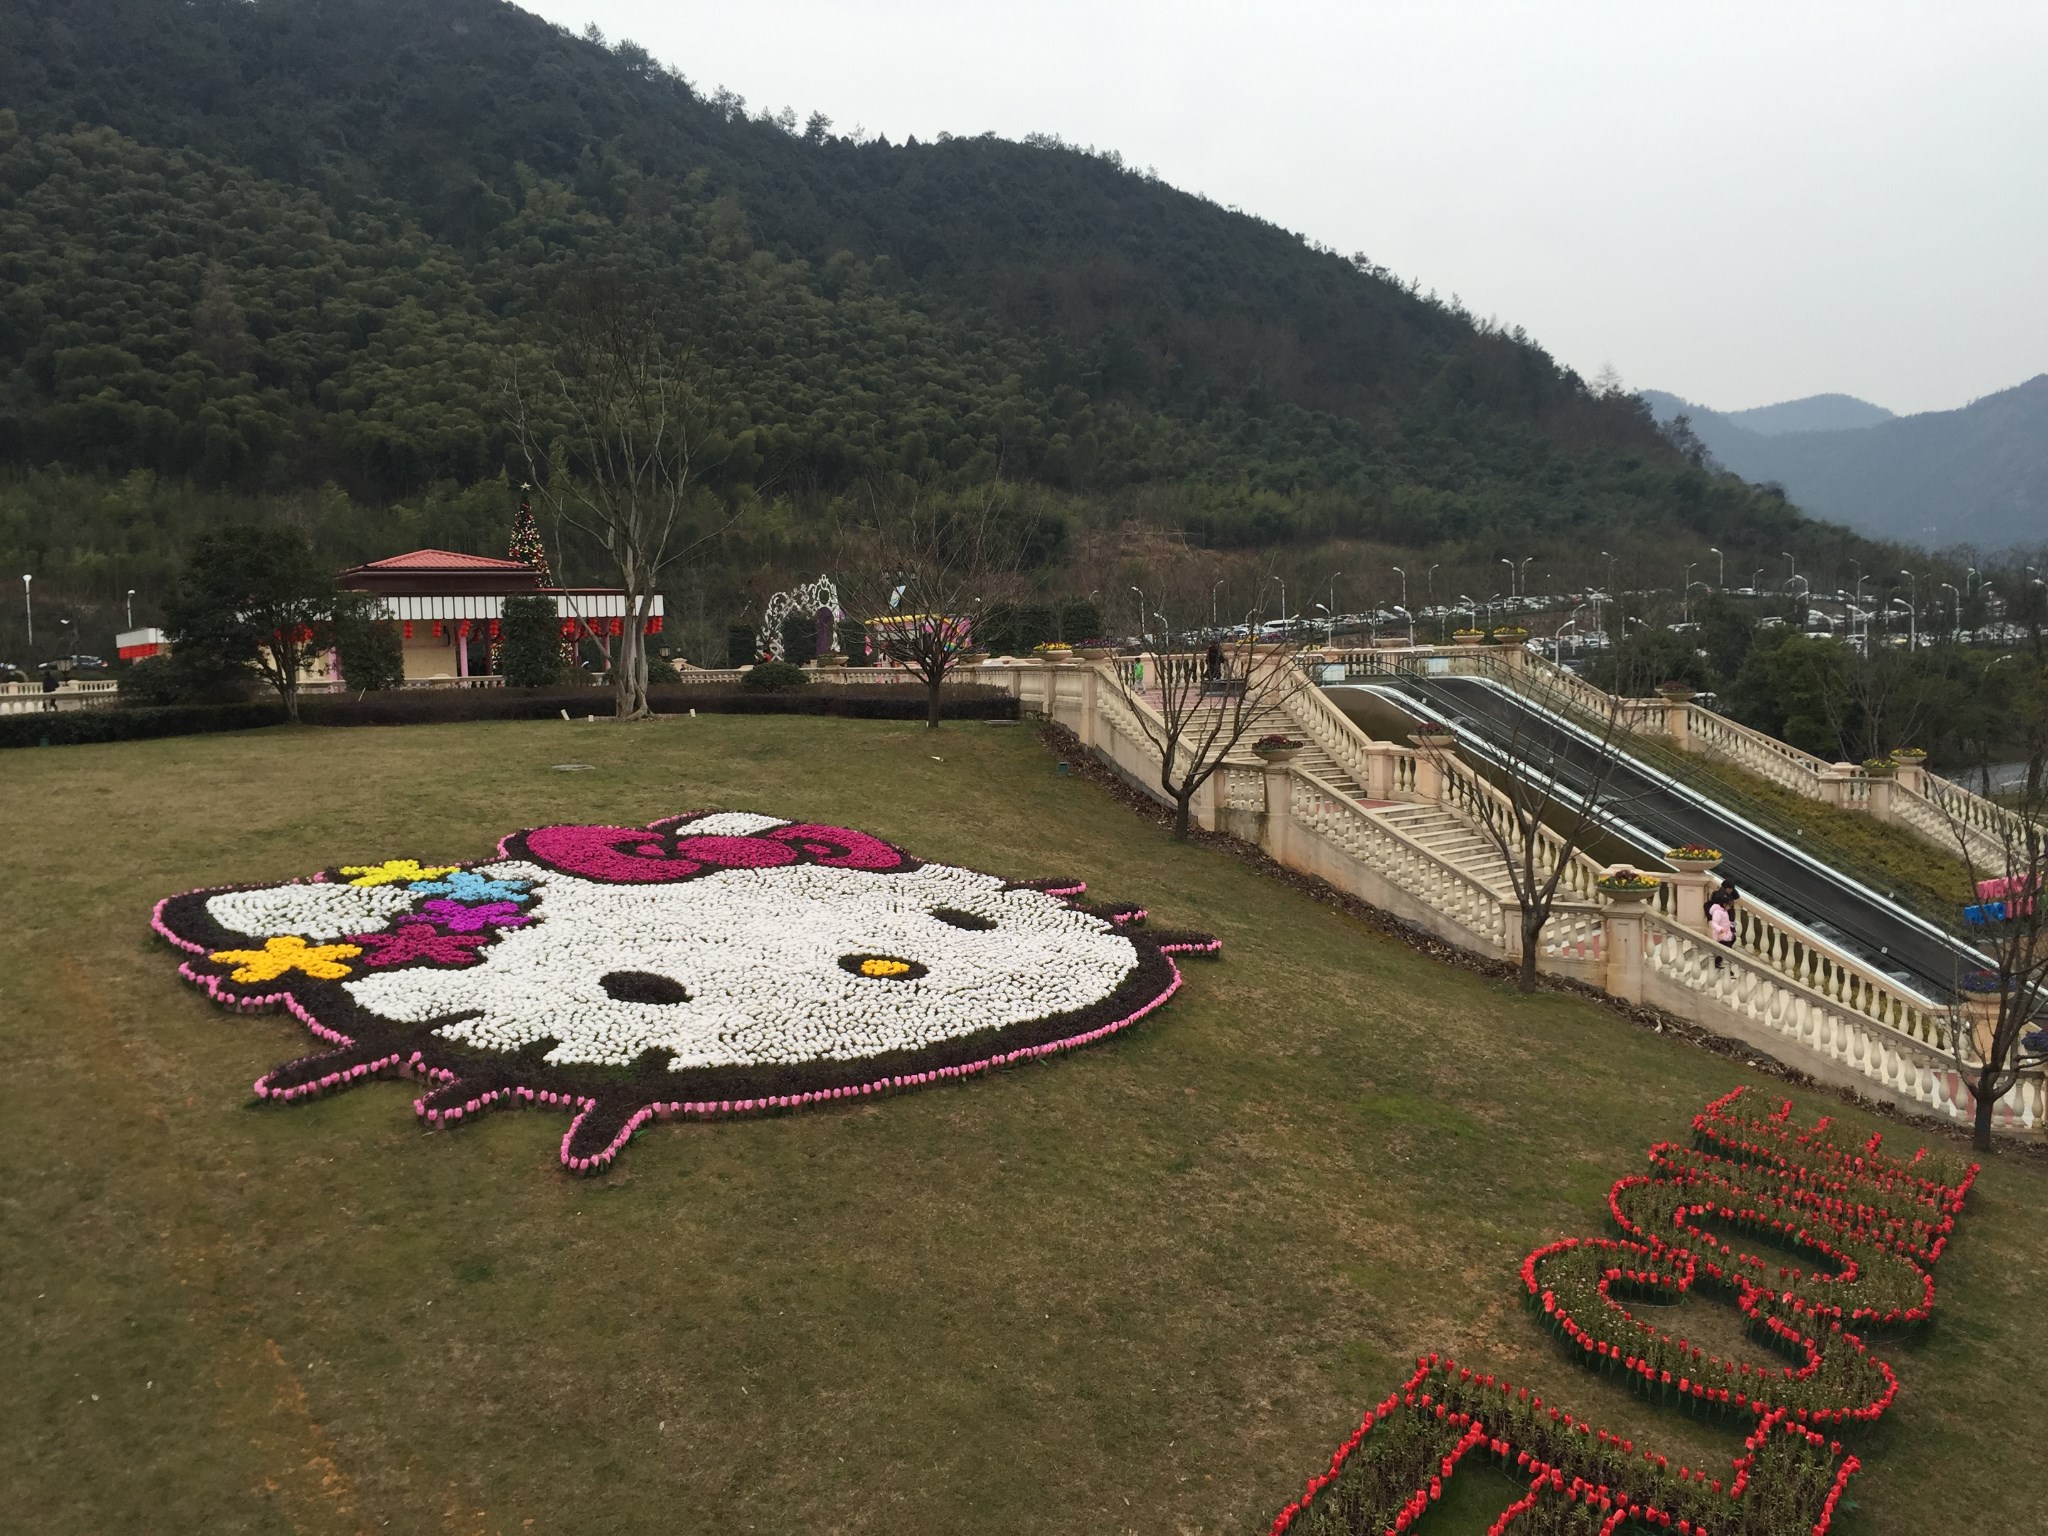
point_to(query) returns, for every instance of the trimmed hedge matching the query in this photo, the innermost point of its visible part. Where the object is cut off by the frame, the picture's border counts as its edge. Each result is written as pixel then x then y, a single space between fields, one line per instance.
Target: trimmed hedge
pixel 427 706
pixel 76 727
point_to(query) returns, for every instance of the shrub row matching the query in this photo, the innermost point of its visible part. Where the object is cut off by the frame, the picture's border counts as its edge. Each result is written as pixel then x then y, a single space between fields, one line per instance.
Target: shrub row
pixel 426 706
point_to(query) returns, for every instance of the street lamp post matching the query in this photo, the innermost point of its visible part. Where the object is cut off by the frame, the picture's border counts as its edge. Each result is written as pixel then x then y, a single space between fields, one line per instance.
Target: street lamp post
pixel 1913 601
pixel 1212 601
pixel 131 607
pixel 1511 575
pixel 1720 568
pixel 1404 585
pixel 29 608
pixel 1332 610
pixel 1525 578
pixel 1955 627
pixel 1142 607
pixel 1685 597
pixel 1329 627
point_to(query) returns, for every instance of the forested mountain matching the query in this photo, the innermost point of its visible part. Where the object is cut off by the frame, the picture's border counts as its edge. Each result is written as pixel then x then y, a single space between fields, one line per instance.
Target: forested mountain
pixel 290 251
pixel 1976 476
pixel 1811 413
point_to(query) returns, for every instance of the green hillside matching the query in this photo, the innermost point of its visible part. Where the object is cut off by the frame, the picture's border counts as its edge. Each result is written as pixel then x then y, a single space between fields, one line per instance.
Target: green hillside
pixel 292 251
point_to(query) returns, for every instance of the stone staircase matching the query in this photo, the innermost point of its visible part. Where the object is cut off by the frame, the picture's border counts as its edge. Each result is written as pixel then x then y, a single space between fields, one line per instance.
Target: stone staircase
pixel 1443 832
pixel 1273 720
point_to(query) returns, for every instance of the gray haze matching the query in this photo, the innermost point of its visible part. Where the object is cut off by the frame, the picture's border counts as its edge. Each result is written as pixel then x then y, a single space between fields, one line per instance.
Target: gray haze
pixel 1743 203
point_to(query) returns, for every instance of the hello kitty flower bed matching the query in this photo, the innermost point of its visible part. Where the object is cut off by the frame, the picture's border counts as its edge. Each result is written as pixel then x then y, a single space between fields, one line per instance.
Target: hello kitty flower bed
pixel 711 964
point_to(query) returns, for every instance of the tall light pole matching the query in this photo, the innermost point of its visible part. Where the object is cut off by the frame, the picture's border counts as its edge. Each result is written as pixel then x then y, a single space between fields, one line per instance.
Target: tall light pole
pixel 1955 628
pixel 1756 581
pixel 1525 576
pixel 1142 606
pixel 1429 579
pixel 1329 627
pixel 28 607
pixel 1212 600
pixel 131 607
pixel 1511 575
pixel 1404 585
pixel 1720 568
pixel 1332 609
pixel 1791 567
pixel 1913 601
pixel 1685 597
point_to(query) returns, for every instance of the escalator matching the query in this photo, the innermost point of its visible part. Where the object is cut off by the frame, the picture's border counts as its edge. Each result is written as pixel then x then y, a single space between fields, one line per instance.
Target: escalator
pixel 1652 808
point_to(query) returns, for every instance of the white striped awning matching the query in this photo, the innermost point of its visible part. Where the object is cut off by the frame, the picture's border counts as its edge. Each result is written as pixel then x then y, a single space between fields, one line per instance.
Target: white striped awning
pixel 596 604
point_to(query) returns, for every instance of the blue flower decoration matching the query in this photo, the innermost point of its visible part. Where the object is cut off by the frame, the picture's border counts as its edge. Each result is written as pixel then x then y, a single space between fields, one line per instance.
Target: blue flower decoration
pixel 466 885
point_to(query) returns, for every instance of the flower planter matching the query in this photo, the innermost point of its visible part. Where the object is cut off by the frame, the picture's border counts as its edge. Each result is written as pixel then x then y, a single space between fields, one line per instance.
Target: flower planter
pixel 1907 757
pixel 1276 755
pixel 510 946
pixel 1628 895
pixel 1468 637
pixel 1093 653
pixel 1434 741
pixel 1694 858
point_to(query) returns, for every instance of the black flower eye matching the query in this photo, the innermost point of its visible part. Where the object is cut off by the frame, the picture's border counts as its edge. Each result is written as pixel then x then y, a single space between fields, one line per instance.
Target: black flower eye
pixel 974 922
pixel 642 987
pixel 881 967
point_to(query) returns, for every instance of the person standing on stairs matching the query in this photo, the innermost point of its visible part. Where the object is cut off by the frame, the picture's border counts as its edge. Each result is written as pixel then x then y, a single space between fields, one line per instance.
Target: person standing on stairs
pixel 1721 914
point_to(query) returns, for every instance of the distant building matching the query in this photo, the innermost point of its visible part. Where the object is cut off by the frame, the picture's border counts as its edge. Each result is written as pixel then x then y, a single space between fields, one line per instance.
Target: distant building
pixel 448 607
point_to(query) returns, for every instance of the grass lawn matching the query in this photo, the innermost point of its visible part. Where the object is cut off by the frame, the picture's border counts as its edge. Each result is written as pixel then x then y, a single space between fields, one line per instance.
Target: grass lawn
pixel 1144 1287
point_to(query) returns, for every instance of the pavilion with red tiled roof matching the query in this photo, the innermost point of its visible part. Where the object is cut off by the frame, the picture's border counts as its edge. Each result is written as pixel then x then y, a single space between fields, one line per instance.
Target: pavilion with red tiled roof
pixel 447 606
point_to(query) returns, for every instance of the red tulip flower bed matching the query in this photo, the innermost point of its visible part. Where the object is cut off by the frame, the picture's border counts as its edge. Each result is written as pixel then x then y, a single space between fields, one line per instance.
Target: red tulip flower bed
pixel 1870 1226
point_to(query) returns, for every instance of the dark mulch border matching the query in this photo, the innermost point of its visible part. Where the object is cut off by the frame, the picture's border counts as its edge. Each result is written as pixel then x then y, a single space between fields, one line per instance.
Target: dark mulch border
pixel 1069 748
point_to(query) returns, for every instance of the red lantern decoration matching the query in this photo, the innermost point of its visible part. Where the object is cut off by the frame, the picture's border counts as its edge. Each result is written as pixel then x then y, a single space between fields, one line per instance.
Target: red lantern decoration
pixel 462 629
pixel 408 629
pixel 494 629
pixel 618 626
pixel 437 629
pixel 654 625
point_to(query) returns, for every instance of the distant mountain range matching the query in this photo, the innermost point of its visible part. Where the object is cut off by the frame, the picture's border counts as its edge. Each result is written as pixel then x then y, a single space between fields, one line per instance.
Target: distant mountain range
pixel 1976 476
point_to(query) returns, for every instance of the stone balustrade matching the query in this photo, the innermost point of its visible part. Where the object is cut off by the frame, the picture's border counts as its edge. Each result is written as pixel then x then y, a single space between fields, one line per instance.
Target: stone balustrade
pixel 1778 987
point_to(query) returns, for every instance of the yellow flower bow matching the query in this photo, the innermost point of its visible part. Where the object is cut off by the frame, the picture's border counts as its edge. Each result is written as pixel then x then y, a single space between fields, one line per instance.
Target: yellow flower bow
pixel 393 870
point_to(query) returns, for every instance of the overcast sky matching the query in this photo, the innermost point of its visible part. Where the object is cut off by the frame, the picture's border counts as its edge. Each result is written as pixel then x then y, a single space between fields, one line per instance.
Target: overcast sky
pixel 1740 203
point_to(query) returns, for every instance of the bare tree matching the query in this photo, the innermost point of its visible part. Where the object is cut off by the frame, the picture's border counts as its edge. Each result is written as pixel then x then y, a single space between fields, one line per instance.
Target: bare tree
pixel 1999 1014
pixel 1199 694
pixel 1557 789
pixel 925 567
pixel 611 426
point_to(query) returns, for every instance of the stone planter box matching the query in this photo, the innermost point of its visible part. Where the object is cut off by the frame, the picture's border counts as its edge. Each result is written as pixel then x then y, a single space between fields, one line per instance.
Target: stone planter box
pixel 1628 895
pixel 1093 653
pixel 1692 866
pixel 1473 639
pixel 1434 741
pixel 1276 755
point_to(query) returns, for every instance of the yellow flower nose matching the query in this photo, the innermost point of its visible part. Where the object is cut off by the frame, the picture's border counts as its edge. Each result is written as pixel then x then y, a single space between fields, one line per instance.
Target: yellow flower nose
pixel 881 967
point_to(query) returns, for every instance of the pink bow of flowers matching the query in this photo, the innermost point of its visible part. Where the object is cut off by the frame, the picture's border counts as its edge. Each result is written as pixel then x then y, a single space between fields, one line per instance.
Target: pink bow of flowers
pixel 461 917
pixel 414 940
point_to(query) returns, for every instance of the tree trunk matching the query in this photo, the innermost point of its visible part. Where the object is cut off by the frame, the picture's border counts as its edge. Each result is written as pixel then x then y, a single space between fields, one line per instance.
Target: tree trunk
pixel 1986 1103
pixel 629 670
pixel 1183 803
pixel 931 700
pixel 1532 946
